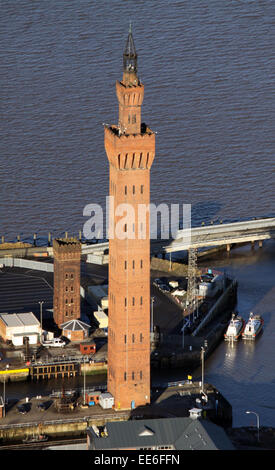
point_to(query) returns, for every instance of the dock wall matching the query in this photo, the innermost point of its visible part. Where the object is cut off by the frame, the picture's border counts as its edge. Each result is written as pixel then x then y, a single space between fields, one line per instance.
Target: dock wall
pixel 58 428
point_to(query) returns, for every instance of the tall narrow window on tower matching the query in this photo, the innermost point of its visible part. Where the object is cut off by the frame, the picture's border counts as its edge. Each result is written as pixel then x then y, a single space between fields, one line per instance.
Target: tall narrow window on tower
pixel 130 161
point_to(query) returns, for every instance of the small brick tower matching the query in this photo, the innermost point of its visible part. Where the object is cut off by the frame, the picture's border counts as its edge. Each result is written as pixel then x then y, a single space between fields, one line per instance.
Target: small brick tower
pixel 130 147
pixel 67 254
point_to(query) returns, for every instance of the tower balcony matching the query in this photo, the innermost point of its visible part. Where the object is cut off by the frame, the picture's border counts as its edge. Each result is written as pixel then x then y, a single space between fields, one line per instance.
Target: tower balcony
pixel 130 151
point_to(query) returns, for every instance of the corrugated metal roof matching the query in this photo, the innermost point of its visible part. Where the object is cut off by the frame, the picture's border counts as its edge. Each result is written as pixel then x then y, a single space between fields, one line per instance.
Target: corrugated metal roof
pixel 19 319
pixel 182 433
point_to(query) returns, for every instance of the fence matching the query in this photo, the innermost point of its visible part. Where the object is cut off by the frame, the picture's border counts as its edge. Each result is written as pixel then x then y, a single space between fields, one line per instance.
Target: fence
pixel 26 263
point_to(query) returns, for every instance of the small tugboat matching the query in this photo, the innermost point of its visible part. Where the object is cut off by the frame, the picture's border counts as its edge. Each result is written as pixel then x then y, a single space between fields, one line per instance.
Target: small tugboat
pixel 253 327
pixel 235 328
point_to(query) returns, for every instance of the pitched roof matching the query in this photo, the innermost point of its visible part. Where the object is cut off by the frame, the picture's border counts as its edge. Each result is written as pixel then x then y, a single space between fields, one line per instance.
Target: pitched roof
pixel 19 319
pixel 182 433
pixel 75 325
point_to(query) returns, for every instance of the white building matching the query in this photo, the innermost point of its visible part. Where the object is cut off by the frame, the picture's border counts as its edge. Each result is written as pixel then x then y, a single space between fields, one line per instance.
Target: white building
pixel 16 326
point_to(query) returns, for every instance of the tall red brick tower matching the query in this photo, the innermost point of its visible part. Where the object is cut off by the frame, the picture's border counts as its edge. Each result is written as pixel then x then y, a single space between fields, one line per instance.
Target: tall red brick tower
pixel 66 302
pixel 130 147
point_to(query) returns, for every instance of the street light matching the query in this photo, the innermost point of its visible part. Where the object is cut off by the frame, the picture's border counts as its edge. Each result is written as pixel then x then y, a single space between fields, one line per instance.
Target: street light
pixel 41 303
pixel 152 313
pixel 258 421
pixel 202 369
pixel 4 391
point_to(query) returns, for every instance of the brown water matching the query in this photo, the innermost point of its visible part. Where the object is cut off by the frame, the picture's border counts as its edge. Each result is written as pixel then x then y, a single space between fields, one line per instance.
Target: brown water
pixel 208 69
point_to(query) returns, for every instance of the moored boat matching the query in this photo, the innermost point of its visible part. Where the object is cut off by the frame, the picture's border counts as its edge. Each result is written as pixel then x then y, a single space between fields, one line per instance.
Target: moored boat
pixel 35 438
pixel 235 328
pixel 253 327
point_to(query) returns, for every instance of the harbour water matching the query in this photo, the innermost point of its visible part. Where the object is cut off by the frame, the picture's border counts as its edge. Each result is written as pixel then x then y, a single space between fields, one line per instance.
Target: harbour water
pixel 208 71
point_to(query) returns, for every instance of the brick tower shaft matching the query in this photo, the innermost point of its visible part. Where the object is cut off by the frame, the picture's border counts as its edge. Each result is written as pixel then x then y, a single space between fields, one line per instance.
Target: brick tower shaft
pixel 67 255
pixel 130 148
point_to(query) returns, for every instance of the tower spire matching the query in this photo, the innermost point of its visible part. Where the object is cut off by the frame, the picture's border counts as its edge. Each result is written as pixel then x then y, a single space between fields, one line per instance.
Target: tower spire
pixel 130 54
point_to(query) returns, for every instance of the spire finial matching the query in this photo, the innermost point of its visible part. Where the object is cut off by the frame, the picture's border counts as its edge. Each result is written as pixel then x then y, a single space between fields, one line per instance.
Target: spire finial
pixel 130 27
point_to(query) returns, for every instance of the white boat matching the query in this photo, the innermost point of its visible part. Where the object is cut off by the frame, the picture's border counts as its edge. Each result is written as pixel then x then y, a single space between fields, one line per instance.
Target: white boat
pixel 253 327
pixel 235 328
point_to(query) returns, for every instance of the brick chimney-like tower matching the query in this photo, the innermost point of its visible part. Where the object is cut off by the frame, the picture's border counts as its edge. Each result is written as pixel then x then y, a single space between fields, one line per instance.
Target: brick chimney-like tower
pixel 67 254
pixel 130 147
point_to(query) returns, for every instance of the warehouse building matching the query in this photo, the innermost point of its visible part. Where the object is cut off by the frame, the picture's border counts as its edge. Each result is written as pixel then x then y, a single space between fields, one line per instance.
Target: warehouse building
pixel 160 434
pixel 17 326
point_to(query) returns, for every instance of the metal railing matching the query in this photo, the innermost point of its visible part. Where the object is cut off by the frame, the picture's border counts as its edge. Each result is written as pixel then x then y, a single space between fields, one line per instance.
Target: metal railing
pixel 64 360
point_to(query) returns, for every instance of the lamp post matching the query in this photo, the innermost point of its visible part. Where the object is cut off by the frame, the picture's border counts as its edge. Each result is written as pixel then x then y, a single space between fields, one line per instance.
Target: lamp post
pixel 183 328
pixel 152 313
pixel 4 396
pixel 4 392
pixel 41 303
pixel 202 369
pixel 84 387
pixel 258 422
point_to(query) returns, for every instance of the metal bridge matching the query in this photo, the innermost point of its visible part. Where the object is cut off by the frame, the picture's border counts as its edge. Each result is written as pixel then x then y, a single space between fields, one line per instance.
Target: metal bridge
pixel 205 236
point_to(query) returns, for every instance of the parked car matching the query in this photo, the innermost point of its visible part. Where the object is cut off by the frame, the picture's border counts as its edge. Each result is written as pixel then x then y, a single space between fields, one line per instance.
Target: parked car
pixel 22 409
pixel 42 406
pixel 165 288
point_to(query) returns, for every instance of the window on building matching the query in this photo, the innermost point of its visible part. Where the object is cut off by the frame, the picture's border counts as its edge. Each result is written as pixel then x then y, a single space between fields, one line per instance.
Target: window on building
pixel 133 338
pixel 125 190
pixel 133 376
pixel 72 301
pixel 134 189
pixel 67 288
pixel 125 376
pixel 134 119
pixel 141 300
pixel 67 276
pixel 133 264
pixel 72 288
pixel 125 339
pixel 141 337
pixel 141 188
pixel 141 263
pixel 72 276
pixel 133 301
pixel 125 264
pixel 125 301
pixel 140 374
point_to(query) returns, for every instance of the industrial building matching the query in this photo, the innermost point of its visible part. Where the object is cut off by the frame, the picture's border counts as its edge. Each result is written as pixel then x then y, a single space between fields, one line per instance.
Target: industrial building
pixel 159 434
pixel 15 327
